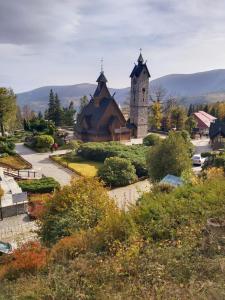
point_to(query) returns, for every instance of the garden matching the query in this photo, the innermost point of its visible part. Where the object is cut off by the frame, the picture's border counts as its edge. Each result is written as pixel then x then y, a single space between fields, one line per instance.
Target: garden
pixel 115 163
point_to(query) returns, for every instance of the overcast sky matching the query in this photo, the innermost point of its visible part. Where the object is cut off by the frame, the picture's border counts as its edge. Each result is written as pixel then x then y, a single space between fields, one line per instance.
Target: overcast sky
pixel 58 42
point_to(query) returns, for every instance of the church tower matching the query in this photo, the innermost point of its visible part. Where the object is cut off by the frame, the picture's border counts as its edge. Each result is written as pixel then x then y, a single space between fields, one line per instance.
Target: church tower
pixel 139 101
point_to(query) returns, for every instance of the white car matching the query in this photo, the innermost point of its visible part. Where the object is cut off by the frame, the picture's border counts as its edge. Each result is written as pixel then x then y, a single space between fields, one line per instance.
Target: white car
pixel 197 159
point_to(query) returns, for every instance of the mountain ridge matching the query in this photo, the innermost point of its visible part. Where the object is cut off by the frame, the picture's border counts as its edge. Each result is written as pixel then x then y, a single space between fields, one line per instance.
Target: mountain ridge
pixel 200 87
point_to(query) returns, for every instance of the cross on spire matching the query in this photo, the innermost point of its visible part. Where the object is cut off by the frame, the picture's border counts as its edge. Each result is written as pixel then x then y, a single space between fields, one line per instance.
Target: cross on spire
pixel 102 71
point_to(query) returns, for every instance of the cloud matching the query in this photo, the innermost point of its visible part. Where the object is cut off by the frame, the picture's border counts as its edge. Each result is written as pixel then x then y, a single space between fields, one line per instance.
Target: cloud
pixel 62 41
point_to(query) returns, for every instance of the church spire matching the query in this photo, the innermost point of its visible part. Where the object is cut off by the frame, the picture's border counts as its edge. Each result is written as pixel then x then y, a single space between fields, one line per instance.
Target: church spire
pixel 101 77
pixel 140 58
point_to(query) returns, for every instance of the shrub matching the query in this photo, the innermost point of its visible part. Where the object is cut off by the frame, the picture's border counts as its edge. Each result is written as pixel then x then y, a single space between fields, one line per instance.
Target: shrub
pixel 29 258
pixel 117 171
pixel 151 140
pixel 136 154
pixel 7 147
pixel 171 156
pixel 43 185
pixel 44 141
pixel 79 206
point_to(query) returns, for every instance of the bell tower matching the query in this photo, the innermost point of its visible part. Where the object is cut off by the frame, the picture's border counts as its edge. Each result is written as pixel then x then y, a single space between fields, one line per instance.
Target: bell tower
pixel 139 101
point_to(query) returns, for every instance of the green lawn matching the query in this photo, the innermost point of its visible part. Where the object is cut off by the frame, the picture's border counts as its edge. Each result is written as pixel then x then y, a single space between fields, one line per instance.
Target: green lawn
pixel 79 165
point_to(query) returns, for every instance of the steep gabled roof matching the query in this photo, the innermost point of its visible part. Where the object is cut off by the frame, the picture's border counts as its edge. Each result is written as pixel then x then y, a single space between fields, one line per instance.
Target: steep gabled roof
pixel 217 128
pixel 139 67
pixel 204 118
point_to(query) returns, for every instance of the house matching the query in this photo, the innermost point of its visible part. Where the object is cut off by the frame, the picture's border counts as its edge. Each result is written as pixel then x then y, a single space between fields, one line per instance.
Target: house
pixel 14 201
pixel 204 121
pixel 217 134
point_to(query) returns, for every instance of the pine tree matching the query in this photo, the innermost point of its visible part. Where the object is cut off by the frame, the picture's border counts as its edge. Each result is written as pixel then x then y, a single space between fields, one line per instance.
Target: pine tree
pixel 190 110
pixel 40 116
pixel 57 112
pixel 51 106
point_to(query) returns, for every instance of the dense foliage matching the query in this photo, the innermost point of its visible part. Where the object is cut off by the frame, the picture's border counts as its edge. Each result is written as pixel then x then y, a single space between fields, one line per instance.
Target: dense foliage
pixel 43 185
pixel 215 160
pixel 79 206
pixel 151 140
pixel 136 154
pixel 117 171
pixel 8 109
pixel 7 146
pixel 171 156
pixel 44 141
pixel 169 246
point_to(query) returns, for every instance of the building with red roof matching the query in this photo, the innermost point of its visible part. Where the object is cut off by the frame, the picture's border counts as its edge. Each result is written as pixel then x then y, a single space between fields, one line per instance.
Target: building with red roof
pixel 204 121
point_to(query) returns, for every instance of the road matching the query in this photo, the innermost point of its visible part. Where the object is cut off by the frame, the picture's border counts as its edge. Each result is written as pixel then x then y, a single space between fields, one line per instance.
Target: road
pixel 201 145
pixel 44 165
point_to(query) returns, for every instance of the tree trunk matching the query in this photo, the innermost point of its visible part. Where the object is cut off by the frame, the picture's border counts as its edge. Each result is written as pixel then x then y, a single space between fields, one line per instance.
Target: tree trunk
pixel 2 129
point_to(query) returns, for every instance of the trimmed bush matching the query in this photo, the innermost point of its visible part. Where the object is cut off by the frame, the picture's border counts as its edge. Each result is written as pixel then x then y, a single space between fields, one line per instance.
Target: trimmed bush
pixel 136 154
pixel 44 141
pixel 151 140
pixel 43 185
pixel 117 171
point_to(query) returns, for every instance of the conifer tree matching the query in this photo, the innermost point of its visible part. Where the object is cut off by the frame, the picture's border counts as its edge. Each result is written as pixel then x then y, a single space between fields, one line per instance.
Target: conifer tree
pixel 57 111
pixel 51 106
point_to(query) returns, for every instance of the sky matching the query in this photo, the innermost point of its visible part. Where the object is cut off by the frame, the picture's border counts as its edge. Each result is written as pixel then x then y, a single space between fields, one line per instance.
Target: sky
pixel 61 42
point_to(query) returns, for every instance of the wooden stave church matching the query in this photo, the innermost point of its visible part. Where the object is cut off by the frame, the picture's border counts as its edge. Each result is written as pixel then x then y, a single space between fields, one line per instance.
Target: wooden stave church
pixel 101 120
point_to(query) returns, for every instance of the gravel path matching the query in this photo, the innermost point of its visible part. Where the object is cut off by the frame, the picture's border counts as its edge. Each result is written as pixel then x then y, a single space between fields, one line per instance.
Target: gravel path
pixel 42 164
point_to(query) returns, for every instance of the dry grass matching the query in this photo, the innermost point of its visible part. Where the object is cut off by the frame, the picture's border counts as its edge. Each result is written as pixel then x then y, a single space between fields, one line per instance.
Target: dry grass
pixel 80 166
pixel 14 162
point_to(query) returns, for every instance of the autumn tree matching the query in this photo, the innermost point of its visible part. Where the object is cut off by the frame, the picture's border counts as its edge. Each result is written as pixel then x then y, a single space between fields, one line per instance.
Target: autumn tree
pixel 83 102
pixel 171 156
pixel 190 124
pixel 8 109
pixel 78 206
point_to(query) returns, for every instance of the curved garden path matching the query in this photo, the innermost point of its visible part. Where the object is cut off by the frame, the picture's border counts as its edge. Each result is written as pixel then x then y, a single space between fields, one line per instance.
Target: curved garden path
pixel 44 165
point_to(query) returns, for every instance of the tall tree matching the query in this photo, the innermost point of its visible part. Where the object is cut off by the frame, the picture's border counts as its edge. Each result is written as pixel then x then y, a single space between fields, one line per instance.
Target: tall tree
pixel 156 115
pixel 51 106
pixel 8 109
pixel 57 112
pixel 83 102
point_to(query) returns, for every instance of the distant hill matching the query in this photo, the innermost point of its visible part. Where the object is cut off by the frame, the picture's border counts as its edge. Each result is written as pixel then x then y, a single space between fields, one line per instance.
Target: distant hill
pixel 203 87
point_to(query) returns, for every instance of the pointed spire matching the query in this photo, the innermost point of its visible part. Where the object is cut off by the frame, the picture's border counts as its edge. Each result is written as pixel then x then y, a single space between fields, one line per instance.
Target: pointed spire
pixel 140 58
pixel 101 77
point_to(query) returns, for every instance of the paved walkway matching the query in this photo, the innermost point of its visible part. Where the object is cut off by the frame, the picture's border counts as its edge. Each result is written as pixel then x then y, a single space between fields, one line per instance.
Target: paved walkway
pixel 127 195
pixel 42 164
pixel 17 230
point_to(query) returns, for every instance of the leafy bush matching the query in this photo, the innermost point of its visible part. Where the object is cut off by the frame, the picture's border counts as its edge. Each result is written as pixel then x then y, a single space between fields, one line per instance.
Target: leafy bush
pixel 215 160
pixel 117 171
pixel 136 154
pixel 44 141
pixel 151 140
pixel 43 185
pixel 79 206
pixel 171 156
pixel 27 259
pixel 7 146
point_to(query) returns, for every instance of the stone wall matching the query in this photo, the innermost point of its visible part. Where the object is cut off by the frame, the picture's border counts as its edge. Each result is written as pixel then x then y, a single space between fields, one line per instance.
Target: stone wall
pixel 14 210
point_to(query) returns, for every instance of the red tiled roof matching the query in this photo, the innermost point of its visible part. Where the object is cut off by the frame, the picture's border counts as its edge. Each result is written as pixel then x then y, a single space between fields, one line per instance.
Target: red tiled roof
pixel 204 118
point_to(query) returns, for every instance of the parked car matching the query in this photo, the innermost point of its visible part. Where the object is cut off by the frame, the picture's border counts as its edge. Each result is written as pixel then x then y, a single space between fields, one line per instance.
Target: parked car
pixel 5 248
pixel 197 159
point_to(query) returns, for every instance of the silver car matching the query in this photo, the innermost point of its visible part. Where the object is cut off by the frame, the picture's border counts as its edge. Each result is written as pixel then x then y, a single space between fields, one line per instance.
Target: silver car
pixel 197 159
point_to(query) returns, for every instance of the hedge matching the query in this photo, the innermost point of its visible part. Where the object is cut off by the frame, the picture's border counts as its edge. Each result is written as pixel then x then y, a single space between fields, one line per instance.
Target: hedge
pixel 43 185
pixel 136 154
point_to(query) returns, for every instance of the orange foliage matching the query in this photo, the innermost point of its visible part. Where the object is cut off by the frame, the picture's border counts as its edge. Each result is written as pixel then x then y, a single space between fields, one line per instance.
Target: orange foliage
pixel 30 257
